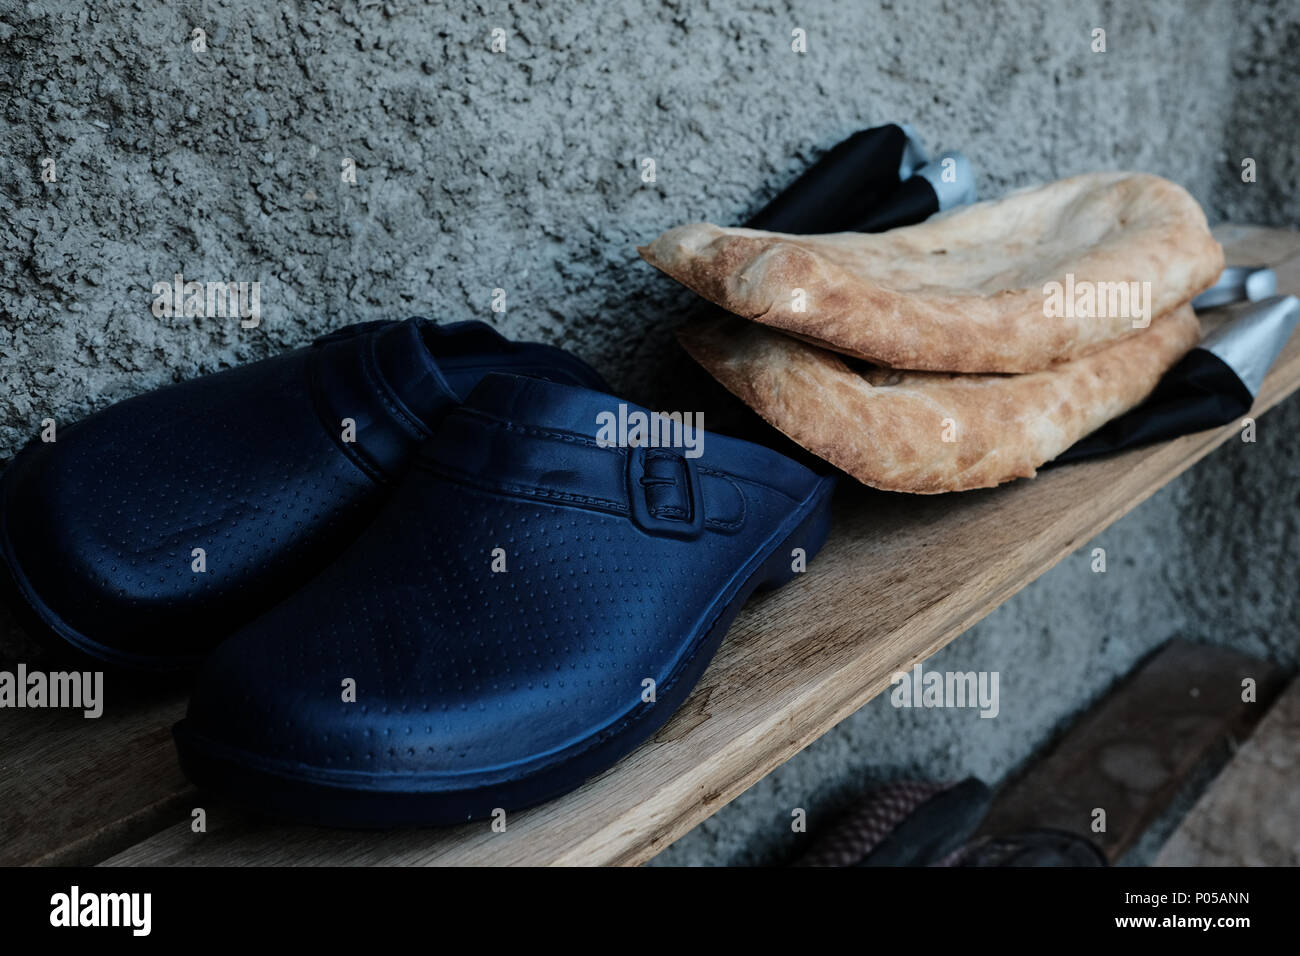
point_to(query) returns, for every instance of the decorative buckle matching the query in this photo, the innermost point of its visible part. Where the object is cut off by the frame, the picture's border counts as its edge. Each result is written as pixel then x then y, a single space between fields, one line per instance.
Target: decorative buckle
pixel 639 482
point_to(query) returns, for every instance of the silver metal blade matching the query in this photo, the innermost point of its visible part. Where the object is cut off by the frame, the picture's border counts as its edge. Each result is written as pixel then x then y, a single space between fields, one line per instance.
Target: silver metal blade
pixel 1238 283
pixel 957 188
pixel 1250 344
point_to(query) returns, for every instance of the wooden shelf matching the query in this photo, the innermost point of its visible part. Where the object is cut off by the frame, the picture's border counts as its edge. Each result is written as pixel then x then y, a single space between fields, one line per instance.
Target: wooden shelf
pixel 900 577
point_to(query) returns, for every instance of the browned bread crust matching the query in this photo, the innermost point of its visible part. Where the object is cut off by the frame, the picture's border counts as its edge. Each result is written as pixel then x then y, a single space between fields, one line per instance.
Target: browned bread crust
pixel 962 292
pixel 889 428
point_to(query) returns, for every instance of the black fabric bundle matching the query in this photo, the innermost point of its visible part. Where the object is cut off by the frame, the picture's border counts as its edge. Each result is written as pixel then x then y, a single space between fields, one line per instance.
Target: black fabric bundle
pixel 1214 384
pixel 877 179
pixel 1200 392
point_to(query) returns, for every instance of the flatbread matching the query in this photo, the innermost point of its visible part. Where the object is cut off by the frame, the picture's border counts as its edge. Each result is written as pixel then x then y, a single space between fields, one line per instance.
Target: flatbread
pixel 964 292
pixel 930 432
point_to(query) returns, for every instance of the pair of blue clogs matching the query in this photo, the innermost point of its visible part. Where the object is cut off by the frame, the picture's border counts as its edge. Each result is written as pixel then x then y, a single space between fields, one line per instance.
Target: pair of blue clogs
pixel 421 582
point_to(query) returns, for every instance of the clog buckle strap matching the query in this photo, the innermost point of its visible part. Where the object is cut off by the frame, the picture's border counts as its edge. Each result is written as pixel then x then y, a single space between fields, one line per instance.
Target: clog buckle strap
pixel 661 491
pixel 664 492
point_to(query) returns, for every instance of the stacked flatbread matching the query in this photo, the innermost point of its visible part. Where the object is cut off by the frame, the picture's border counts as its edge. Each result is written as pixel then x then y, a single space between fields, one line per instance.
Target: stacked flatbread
pixel 964 351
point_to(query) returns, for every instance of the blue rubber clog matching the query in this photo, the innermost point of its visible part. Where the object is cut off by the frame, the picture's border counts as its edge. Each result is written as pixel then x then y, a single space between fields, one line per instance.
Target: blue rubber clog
pixel 531 603
pixel 148 532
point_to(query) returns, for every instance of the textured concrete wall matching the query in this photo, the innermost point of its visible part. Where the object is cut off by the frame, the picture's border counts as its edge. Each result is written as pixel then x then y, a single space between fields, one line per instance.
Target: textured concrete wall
pixel 521 170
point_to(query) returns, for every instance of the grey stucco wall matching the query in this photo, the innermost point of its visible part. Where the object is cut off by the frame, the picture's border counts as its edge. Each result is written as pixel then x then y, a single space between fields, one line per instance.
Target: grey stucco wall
pixel 520 170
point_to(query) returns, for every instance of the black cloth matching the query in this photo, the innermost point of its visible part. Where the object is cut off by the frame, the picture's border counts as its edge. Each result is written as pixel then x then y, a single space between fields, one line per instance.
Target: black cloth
pixel 1200 392
pixel 853 188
